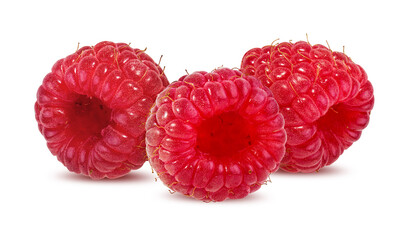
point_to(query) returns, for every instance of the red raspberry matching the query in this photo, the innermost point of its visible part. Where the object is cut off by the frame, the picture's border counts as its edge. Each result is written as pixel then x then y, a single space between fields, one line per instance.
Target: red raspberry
pixel 325 98
pixel 92 108
pixel 215 135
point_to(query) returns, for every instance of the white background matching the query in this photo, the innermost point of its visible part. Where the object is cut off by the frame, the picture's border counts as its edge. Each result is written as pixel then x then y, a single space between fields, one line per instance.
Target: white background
pixel 364 195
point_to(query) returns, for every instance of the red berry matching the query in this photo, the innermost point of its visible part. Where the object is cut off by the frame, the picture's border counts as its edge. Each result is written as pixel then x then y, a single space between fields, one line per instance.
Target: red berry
pixel 92 108
pixel 215 135
pixel 325 98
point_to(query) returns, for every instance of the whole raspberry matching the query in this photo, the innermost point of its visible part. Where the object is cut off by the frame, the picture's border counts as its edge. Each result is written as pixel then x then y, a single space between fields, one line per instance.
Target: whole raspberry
pixel 325 98
pixel 215 135
pixel 92 108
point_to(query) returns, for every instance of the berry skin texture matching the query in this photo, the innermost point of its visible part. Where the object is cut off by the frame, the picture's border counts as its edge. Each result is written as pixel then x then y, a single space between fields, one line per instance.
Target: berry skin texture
pixel 325 98
pixel 92 106
pixel 214 136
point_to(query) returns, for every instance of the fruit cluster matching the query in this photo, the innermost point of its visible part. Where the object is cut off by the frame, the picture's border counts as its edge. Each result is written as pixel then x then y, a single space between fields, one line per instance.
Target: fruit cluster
pixel 106 109
pixel 215 135
pixel 92 108
pixel 324 97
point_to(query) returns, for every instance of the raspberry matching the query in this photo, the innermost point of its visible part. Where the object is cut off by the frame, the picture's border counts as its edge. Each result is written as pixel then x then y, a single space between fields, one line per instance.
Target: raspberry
pixel 215 135
pixel 325 98
pixel 92 107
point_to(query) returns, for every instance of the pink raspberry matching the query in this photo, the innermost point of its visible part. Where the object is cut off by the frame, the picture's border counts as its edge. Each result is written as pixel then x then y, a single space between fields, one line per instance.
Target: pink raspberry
pixel 92 108
pixel 215 135
pixel 325 98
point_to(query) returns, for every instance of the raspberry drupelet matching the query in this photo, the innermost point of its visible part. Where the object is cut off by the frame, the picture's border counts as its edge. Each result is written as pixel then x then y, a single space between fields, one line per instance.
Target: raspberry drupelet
pixel 92 106
pixel 325 98
pixel 214 136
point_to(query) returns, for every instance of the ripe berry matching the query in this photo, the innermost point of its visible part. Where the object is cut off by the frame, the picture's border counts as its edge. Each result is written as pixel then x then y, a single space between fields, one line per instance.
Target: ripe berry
pixel 215 135
pixel 325 98
pixel 92 108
